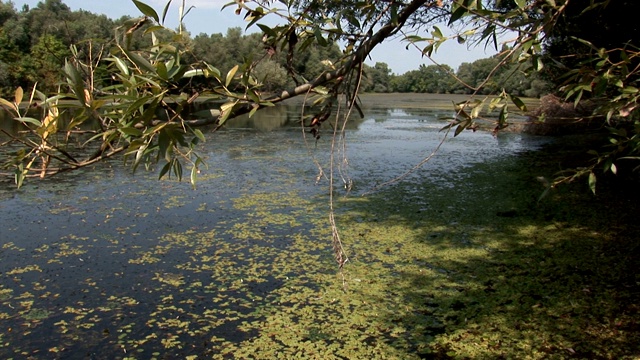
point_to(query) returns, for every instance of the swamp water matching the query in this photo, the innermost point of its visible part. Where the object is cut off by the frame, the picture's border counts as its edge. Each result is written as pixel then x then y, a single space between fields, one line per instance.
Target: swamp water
pixel 109 265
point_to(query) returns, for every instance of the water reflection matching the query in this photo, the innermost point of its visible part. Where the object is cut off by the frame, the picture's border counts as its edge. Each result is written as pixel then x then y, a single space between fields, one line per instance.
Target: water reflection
pixel 280 117
pixel 387 141
pixel 68 112
pixel 8 124
pixel 271 118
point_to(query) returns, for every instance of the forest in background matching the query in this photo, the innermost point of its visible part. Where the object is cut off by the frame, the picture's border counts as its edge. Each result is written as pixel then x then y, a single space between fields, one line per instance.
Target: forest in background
pixel 132 73
pixel 34 43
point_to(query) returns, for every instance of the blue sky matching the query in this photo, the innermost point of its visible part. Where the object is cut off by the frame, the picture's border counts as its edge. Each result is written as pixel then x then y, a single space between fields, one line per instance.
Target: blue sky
pixel 207 17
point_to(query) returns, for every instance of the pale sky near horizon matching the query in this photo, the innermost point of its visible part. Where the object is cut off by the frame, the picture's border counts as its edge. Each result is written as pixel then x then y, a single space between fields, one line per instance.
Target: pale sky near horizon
pixel 207 17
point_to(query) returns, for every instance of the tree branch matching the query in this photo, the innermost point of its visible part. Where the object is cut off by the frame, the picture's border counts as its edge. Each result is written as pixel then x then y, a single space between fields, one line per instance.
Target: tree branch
pixel 353 61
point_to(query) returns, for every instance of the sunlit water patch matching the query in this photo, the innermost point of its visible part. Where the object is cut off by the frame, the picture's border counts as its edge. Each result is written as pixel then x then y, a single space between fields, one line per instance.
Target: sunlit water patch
pixel 386 147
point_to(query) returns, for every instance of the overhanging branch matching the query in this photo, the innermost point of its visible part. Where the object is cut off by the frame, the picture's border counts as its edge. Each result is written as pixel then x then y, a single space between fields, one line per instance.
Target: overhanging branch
pixel 352 62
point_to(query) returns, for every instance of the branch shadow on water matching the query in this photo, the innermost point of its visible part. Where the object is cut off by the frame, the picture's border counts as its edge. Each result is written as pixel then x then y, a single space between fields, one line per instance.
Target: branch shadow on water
pixel 483 270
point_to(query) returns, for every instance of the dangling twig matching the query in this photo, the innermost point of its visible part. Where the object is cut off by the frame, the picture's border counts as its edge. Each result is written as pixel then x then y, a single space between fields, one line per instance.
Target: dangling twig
pixel 338 249
pixel 413 169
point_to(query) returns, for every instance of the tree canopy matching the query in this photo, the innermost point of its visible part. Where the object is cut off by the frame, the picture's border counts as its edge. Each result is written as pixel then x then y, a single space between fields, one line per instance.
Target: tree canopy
pixel 116 86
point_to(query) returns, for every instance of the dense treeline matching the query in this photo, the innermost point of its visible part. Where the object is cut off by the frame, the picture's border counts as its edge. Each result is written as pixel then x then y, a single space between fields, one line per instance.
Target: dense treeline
pixel 273 68
pixel 34 43
pixel 514 78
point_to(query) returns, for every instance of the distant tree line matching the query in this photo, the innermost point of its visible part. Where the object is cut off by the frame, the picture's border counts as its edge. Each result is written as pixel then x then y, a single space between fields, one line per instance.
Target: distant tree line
pixel 34 43
pixel 516 79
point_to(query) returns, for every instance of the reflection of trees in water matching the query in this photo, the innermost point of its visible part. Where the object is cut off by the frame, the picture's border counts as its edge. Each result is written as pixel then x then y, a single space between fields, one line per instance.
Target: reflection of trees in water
pixel 12 126
pixel 7 123
pixel 421 115
pixel 431 114
pixel 281 116
pixel 268 119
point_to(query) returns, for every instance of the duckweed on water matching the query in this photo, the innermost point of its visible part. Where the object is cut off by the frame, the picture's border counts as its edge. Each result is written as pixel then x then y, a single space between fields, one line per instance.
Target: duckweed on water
pixel 458 262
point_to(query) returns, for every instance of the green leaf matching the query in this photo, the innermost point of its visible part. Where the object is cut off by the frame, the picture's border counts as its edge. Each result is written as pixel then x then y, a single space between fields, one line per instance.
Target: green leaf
pixel 35 93
pixel 74 78
pixel 19 175
pixel 194 175
pixel 253 110
pixel 199 135
pixel 192 73
pixel 161 68
pixel 226 110
pixel 140 155
pixel 230 75
pixel 29 120
pixel 7 104
pixel 254 16
pixel 187 12
pixel 149 81
pixel 592 182
pixel 138 105
pixel 502 118
pixel 437 33
pixel 518 103
pixel 463 125
pixel 413 38
pixel 319 38
pixel 459 12
pixel 475 112
pixel 165 11
pixel 268 31
pixel 131 131
pixel 232 3
pixel 152 30
pixel 165 169
pixel 146 10
pixel 177 169
pixel 140 61
pixel 178 72
pixel 156 128
pixel 428 50
pixel 19 94
pixel 253 96
pixel 164 145
pixel 321 90
pixel 394 14
pixel 121 65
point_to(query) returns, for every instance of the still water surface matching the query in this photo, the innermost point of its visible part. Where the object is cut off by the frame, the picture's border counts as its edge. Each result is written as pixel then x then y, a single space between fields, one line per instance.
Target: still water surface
pixel 103 264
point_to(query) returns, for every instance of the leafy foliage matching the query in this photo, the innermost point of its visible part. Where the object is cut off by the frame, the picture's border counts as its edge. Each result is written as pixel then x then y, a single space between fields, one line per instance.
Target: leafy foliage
pixel 126 84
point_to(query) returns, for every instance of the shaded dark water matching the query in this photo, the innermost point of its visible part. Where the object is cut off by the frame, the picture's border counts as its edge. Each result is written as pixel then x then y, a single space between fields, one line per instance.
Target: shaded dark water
pixel 105 264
